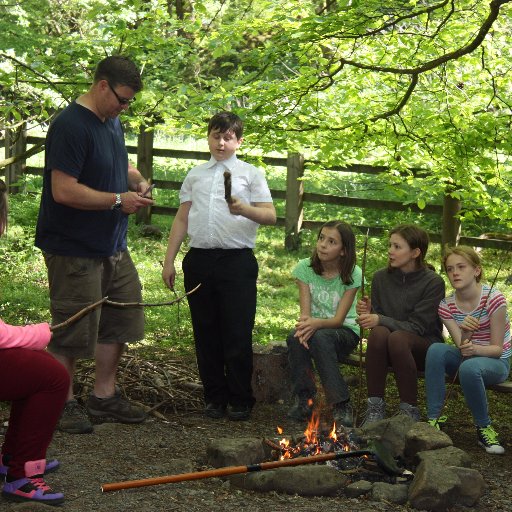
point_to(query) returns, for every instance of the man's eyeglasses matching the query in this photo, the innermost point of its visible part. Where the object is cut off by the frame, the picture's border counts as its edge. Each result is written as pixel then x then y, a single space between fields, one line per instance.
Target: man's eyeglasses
pixel 122 101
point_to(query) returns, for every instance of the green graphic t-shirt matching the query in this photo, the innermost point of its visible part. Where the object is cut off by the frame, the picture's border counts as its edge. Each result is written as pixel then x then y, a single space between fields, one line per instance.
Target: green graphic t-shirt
pixel 327 293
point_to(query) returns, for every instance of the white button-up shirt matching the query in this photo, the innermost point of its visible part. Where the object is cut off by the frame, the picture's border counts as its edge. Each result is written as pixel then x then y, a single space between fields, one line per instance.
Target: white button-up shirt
pixel 210 223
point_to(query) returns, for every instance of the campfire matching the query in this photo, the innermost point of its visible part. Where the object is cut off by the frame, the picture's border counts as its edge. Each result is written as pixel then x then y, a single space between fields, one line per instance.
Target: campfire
pixel 315 442
pixel 343 442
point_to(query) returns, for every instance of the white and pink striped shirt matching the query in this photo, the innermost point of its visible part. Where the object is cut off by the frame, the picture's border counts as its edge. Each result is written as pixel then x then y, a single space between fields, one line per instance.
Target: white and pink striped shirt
pixel 448 310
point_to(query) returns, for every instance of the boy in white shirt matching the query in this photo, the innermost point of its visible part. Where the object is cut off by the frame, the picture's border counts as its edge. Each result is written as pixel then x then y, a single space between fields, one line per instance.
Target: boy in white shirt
pixel 222 235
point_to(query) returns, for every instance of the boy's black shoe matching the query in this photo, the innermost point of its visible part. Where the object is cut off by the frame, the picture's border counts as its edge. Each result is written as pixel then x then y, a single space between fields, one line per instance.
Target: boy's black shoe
pixel 239 412
pixel 215 411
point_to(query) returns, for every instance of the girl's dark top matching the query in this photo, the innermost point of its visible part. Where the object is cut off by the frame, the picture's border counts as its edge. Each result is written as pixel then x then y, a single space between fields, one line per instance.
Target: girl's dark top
pixel 409 301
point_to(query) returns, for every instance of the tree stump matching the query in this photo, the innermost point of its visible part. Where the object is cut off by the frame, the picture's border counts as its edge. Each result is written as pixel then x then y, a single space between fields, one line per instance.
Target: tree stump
pixel 271 376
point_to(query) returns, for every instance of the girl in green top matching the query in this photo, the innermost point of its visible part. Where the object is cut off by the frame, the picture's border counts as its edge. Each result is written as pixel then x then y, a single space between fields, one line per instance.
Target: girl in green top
pixel 326 331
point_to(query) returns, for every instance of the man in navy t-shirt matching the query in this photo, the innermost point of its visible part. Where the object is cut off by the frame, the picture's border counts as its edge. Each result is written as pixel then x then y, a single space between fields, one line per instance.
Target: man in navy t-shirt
pixel 89 189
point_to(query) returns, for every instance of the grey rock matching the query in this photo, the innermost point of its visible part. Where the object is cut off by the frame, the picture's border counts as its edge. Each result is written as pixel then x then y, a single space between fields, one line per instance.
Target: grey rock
pixel 359 488
pixel 421 437
pixel 391 432
pixel 394 493
pixel 227 451
pixel 310 480
pixel 449 456
pixel 437 488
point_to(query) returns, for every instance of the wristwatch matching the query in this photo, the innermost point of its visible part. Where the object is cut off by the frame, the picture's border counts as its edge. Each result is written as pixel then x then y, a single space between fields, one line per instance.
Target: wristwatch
pixel 118 203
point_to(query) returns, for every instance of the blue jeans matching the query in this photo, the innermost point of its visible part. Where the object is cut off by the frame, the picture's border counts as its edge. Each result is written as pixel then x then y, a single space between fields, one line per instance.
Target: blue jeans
pixel 474 374
pixel 327 348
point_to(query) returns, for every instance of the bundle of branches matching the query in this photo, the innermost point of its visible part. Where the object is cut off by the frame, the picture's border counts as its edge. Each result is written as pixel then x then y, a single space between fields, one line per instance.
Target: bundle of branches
pixel 160 383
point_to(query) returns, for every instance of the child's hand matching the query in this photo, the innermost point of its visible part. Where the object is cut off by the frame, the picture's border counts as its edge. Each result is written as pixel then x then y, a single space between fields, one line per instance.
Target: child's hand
pixel 470 323
pixel 368 320
pixel 363 306
pixel 169 274
pixel 236 207
pixel 467 349
pixel 304 329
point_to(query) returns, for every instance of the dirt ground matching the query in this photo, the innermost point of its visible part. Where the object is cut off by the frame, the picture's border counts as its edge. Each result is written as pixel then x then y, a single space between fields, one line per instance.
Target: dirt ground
pixel 116 452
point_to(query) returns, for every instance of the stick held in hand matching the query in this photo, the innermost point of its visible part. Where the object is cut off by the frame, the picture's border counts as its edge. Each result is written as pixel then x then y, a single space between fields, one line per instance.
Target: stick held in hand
pixel 78 315
pixel 227 187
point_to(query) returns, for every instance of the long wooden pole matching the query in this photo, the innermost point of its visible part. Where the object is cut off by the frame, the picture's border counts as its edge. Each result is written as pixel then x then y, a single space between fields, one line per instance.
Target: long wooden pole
pixel 234 470
pixel 361 331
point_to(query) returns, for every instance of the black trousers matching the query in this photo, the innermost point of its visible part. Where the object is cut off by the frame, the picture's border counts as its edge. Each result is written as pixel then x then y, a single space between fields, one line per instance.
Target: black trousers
pixel 223 311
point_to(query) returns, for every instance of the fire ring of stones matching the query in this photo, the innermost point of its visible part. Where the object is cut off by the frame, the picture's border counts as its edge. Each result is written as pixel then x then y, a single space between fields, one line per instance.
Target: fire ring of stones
pixel 436 475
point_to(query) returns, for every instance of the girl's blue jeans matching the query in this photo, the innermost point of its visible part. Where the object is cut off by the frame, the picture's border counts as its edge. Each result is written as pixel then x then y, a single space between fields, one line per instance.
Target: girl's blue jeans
pixel 475 374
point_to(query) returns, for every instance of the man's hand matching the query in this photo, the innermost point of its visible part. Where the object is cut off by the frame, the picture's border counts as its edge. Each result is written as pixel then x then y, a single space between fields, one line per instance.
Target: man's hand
pixel 132 202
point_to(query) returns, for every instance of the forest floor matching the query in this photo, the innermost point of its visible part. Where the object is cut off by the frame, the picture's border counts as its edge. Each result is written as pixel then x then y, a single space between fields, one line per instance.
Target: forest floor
pixel 177 444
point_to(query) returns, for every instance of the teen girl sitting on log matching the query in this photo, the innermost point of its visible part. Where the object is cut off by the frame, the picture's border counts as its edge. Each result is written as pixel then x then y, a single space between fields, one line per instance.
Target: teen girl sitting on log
pixel 326 330
pixel 402 316
pixel 476 318
pixel 36 384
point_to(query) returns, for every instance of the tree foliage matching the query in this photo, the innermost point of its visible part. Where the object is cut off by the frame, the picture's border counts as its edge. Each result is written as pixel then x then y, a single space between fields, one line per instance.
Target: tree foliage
pixel 420 86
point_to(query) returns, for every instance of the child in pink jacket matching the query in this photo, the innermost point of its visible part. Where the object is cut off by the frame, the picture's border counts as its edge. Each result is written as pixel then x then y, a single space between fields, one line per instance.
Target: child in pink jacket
pixel 36 384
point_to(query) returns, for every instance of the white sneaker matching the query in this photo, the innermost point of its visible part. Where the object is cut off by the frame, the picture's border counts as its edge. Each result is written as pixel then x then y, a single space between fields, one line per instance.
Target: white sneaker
pixel 489 441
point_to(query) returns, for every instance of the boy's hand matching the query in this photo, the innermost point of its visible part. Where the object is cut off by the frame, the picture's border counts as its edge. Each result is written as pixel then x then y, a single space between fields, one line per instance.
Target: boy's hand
pixel 169 274
pixel 236 207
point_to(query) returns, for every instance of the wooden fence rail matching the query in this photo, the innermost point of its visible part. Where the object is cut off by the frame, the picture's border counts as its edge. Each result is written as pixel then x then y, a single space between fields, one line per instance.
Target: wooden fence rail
pixel 294 196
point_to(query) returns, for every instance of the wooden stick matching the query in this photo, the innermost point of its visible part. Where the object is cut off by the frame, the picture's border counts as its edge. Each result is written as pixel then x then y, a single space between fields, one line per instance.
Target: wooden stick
pixel 78 315
pixel 147 304
pixel 361 331
pixel 105 300
pixel 232 470
pixel 227 187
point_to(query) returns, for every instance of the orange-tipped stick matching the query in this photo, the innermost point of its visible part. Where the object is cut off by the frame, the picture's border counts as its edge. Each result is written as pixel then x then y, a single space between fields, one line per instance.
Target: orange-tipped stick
pixel 234 470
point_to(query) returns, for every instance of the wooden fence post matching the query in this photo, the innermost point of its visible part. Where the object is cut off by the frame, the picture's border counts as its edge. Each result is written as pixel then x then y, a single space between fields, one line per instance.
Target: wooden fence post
pixel 145 165
pixel 294 200
pixel 15 144
pixel 451 224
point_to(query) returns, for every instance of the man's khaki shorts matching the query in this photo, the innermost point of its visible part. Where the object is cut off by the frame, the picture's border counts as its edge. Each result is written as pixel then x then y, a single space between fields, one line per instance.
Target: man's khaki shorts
pixel 78 282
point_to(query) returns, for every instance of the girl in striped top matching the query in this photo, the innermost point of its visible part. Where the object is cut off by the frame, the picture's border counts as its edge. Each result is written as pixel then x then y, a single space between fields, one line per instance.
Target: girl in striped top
pixel 476 317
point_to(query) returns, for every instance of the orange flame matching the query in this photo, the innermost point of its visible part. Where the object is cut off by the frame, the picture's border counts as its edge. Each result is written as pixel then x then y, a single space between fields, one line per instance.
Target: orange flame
pixel 332 433
pixel 312 428
pixel 312 440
